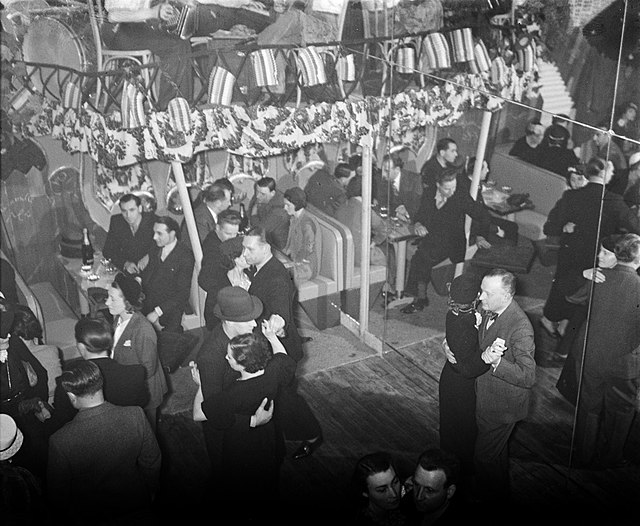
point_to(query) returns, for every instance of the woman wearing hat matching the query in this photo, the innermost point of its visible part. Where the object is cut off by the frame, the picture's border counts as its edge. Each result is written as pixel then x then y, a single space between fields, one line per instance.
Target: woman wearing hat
pixel 21 496
pixel 135 339
pixel 301 241
pixel 457 382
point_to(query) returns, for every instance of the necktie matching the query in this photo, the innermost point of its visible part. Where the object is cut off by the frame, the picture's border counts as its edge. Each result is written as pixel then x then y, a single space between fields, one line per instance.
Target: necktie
pixel 251 271
pixel 491 317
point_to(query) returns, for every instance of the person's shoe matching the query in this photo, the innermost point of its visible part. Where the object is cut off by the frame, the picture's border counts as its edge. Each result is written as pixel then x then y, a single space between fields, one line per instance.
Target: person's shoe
pixel 306 449
pixel 388 296
pixel 415 306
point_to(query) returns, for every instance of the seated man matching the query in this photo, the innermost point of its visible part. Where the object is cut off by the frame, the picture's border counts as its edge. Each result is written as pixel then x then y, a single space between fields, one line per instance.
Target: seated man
pixel 166 279
pixel 130 235
pixel 444 158
pixel 528 148
pixel 213 273
pixel 266 210
pixel 397 189
pixel 213 200
pixel 440 224
pixel 326 191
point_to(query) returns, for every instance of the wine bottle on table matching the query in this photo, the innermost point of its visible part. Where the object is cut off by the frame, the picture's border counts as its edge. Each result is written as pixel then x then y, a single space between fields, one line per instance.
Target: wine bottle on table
pixel 87 251
pixel 244 220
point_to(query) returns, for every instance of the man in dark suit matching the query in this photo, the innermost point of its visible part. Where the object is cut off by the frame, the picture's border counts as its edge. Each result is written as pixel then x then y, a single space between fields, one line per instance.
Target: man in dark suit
pixel 106 461
pixel 273 285
pixel 576 219
pixel 440 224
pixel 123 385
pixel 326 191
pixel 266 210
pixel 166 280
pixel 130 235
pixel 608 395
pixel 444 158
pixel 214 199
pixel 213 273
pixel 502 393
pixel 398 189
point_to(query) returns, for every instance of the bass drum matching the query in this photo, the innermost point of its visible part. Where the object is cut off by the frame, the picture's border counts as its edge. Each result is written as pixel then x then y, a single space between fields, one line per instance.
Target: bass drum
pixel 63 39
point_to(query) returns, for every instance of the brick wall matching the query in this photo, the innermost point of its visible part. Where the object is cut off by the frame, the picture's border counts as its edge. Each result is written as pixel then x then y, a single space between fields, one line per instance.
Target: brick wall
pixel 583 10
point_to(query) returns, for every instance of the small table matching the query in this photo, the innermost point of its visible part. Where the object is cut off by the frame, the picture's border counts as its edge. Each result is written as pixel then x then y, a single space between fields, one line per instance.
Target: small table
pixel 104 278
pixel 399 233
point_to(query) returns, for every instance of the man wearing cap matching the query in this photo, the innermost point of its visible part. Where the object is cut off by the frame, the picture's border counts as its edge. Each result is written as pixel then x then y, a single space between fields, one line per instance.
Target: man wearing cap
pixel 237 310
pixel 213 274
pixel 273 284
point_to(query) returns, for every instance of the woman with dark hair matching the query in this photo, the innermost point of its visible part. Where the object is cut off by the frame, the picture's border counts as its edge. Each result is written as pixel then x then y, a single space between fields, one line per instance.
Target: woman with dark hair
pixel 235 263
pixel 375 480
pixel 135 339
pixel 251 457
pixel 301 241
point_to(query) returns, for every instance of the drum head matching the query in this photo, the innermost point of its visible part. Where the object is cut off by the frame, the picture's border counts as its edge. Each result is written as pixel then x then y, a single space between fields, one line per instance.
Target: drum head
pixel 52 41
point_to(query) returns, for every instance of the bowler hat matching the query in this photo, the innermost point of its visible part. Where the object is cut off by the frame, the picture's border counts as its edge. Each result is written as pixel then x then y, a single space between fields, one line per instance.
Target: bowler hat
pixel 236 304
pixel 464 289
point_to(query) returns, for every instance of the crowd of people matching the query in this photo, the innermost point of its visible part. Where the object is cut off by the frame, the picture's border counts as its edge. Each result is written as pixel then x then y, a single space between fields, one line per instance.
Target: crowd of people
pixel 105 404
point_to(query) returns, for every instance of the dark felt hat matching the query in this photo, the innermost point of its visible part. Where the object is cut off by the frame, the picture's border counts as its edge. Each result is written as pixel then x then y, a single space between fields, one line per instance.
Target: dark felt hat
pixel 236 304
pixel 131 289
pixel 7 312
pixel 464 289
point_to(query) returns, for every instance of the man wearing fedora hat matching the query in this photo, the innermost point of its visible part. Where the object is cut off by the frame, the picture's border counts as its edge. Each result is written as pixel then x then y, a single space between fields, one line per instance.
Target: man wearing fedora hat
pixel 238 311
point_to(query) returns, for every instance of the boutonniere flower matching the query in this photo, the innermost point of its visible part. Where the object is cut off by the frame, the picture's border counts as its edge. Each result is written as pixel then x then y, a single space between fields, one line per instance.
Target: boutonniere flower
pixel 478 319
pixel 127 343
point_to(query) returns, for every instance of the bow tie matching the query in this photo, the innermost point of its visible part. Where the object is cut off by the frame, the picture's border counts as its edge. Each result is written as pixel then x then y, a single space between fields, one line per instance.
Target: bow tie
pixel 491 316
